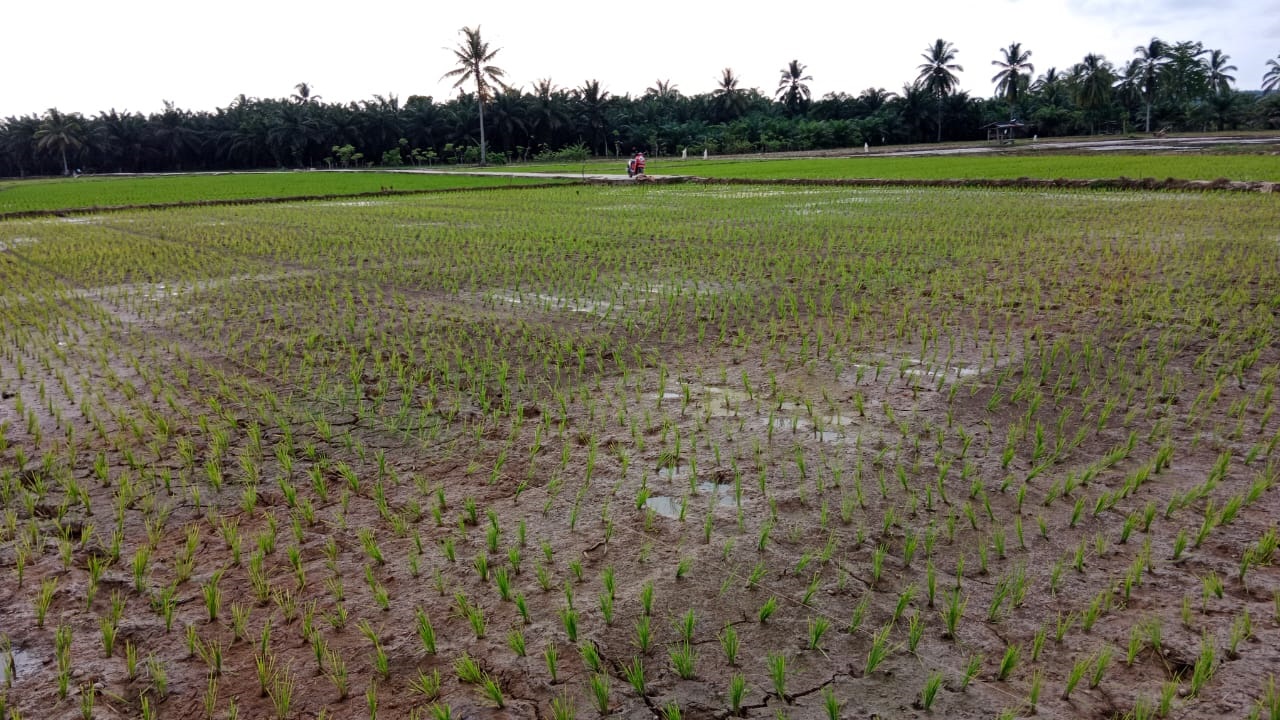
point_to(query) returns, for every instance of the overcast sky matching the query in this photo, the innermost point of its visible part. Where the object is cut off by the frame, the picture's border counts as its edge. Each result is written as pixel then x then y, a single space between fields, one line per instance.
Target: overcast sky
pixel 93 55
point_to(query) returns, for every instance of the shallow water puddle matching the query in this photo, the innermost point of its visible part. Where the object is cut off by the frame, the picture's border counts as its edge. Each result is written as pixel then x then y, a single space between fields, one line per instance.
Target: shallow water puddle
pixel 918 368
pixel 722 402
pixel 162 293
pixel 800 426
pixel 664 505
pixel 16 664
pixel 667 397
pixel 538 300
pixel 673 473
pixel 669 507
pixel 823 420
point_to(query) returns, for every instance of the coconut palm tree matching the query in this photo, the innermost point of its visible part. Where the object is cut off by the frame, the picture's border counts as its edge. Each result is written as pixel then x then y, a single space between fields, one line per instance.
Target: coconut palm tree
pixel 1217 71
pixel 727 100
pixel 304 95
pixel 663 90
pixel 938 74
pixel 1128 87
pixel 1093 79
pixel 1053 102
pixel 474 58
pixel 1271 80
pixel 792 90
pixel 1015 74
pixel 1151 60
pixel 59 132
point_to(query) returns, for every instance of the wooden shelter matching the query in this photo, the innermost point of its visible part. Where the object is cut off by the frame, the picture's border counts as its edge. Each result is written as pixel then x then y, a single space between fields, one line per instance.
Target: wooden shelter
pixel 1003 132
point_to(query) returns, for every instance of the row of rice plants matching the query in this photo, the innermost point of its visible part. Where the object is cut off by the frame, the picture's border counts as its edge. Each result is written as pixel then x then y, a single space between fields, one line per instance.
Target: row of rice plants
pixel 816 516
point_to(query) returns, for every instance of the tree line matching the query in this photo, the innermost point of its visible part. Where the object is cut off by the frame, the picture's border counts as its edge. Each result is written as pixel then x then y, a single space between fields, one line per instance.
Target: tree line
pixel 1165 86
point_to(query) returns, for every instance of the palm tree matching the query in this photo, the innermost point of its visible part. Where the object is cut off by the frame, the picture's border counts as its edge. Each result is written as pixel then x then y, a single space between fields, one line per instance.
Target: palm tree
pixel 727 100
pixel 1053 102
pixel 1271 80
pixel 1186 77
pixel 592 101
pixel 911 107
pixel 508 116
pixel 379 122
pixel 1050 86
pixel 1015 73
pixel 474 56
pixel 1093 79
pixel 792 90
pixel 121 137
pixel 1151 60
pixel 1224 108
pixel 1128 87
pixel 58 133
pixel 425 123
pixel 1217 68
pixel 303 96
pixel 937 74
pixel 293 132
pixel 663 90
pixel 18 143
pixel 549 113
pixel 872 99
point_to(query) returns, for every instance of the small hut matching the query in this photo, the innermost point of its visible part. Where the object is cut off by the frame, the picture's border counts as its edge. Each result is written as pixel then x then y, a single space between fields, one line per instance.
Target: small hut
pixel 1003 132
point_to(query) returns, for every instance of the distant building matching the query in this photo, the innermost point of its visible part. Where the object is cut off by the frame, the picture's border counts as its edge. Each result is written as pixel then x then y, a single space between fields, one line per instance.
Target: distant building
pixel 1003 132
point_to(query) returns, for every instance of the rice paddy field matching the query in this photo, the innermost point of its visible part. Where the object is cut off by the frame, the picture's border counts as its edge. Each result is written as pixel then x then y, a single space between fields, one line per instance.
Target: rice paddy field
pixel 30 196
pixel 644 451
pixel 1260 165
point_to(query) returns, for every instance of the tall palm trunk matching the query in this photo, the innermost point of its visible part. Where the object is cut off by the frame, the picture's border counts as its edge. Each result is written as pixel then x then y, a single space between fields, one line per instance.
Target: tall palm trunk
pixel 480 104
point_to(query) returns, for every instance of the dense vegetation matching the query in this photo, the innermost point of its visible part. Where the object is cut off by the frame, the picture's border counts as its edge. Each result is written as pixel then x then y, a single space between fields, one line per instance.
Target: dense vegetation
pixel 1166 86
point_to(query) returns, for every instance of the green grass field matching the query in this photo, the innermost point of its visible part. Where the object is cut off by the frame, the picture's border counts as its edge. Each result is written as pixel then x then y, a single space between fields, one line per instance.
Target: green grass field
pixel 100 192
pixel 1096 165
pixel 27 195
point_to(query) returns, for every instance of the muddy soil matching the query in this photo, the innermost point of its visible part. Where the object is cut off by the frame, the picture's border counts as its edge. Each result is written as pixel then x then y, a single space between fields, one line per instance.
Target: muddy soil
pixel 219 540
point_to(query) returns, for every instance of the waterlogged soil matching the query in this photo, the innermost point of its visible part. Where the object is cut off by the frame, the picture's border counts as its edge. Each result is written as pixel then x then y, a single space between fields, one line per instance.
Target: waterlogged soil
pixel 644 536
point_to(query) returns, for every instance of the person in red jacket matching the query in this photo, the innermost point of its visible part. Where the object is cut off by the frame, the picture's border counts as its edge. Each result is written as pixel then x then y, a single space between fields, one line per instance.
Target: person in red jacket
pixel 639 163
